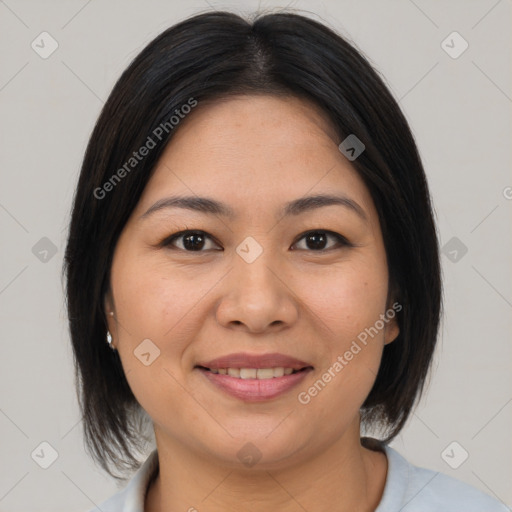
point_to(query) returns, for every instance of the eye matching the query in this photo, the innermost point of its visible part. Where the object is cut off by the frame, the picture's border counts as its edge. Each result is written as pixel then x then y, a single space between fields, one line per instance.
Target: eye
pixel 193 241
pixel 197 241
pixel 317 240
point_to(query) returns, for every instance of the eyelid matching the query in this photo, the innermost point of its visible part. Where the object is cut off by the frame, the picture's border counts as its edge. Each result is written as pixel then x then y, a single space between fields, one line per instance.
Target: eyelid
pixel 342 241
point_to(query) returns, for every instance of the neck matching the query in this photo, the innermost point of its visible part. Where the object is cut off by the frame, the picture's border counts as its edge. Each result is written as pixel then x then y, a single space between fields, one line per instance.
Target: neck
pixel 344 477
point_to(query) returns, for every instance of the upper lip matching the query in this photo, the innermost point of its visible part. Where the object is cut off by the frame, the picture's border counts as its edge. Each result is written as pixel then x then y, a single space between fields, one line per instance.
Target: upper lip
pixel 245 360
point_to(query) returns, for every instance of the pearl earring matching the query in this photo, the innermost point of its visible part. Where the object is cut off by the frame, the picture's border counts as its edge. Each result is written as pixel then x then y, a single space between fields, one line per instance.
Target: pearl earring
pixel 109 336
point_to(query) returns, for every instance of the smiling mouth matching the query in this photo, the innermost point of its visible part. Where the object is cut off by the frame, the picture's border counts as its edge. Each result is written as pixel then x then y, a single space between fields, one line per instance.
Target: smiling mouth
pixel 255 384
pixel 254 373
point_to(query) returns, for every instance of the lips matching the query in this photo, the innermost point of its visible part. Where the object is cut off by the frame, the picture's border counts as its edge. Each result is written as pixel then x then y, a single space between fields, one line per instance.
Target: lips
pixel 247 376
pixel 244 360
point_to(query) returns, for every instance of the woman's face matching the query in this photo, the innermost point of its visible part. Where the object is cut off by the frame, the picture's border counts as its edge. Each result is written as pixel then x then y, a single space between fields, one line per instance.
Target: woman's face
pixel 253 283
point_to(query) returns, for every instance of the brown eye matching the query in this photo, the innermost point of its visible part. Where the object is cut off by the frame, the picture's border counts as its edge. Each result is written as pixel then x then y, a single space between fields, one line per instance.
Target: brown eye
pixel 191 241
pixel 318 240
pixel 199 241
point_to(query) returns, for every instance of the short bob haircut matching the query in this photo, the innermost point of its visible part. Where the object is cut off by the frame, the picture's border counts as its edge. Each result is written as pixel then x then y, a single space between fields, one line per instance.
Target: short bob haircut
pixel 218 55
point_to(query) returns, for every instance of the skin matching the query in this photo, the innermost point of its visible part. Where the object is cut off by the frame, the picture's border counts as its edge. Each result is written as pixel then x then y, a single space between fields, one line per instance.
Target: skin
pixel 254 153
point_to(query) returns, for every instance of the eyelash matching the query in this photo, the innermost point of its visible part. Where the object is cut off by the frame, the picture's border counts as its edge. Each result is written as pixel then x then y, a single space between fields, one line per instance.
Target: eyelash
pixel 342 241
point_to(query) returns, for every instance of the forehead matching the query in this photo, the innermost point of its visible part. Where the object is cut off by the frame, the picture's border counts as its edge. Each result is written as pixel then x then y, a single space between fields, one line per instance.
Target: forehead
pixel 241 128
pixel 257 149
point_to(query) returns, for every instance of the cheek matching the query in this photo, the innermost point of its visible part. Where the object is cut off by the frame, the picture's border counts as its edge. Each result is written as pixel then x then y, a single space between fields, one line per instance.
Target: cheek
pixel 151 298
pixel 349 302
pixel 162 304
pixel 348 299
pixel 149 306
pixel 154 305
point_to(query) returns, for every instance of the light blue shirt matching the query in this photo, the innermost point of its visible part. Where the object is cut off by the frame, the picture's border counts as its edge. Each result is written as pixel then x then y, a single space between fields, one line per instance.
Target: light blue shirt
pixel 408 488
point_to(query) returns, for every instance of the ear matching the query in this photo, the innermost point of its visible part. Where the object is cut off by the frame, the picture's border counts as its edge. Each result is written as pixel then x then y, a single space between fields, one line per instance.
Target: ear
pixel 108 304
pixel 391 329
pixel 391 332
pixel 109 312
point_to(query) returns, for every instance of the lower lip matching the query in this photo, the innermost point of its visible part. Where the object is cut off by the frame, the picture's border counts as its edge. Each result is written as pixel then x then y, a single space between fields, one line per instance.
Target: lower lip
pixel 255 390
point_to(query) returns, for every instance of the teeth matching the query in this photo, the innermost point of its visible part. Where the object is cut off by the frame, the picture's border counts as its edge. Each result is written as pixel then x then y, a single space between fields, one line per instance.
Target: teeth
pixel 278 372
pixel 264 373
pixel 249 373
pixel 254 373
pixel 234 372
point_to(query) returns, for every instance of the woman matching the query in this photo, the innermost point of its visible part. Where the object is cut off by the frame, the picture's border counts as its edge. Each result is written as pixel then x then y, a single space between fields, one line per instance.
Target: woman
pixel 252 271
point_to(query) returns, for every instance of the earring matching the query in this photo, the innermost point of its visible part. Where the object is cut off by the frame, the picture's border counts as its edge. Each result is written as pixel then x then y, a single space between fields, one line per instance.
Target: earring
pixel 109 340
pixel 109 336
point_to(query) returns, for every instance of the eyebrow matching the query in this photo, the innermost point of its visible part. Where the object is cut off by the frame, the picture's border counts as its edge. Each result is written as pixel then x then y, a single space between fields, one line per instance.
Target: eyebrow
pixel 296 207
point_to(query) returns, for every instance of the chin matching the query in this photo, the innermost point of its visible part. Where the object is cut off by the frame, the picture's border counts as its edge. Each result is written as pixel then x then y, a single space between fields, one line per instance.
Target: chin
pixel 256 449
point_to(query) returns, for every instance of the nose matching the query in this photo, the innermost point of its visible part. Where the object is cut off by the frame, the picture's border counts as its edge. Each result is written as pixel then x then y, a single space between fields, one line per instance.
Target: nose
pixel 257 298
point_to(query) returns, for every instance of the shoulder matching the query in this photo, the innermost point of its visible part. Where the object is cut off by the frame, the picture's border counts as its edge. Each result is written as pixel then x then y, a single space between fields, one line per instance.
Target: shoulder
pixel 411 488
pixel 132 497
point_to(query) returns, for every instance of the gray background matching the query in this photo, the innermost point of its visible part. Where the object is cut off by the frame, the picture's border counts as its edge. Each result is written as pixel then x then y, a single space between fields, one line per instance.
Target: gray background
pixel 459 111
